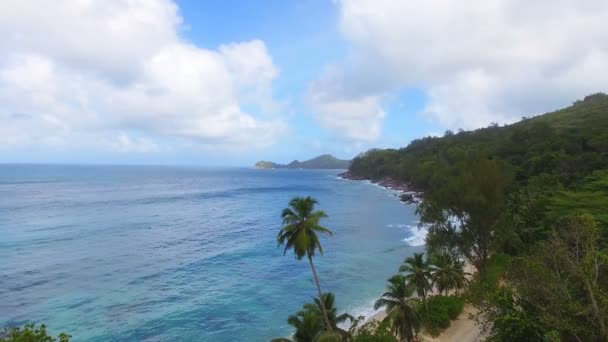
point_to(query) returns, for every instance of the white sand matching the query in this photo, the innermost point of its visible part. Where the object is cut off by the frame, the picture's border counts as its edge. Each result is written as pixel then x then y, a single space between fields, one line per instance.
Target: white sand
pixel 463 329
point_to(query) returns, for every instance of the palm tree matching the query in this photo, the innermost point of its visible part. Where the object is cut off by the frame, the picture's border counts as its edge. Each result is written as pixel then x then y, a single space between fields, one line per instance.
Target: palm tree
pixel 400 312
pixel 417 272
pixel 447 273
pixel 332 312
pixel 308 325
pixel 299 232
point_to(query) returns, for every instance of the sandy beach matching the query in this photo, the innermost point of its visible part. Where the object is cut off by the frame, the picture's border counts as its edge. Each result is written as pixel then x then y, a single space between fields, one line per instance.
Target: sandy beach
pixel 463 329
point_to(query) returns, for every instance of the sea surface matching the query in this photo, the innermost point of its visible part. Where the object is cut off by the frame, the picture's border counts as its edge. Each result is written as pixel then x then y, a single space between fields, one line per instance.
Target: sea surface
pixel 147 253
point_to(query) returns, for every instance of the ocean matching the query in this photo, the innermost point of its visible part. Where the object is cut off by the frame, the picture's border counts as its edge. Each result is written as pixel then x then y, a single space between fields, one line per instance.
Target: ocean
pixel 151 253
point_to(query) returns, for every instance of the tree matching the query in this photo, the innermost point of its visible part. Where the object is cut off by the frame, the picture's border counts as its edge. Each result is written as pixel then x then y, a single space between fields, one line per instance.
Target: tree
pixel 564 282
pixel 30 333
pixel 400 312
pixel 308 326
pixel 447 273
pixel 373 331
pixel 332 312
pixel 299 233
pixel 417 273
pixel 470 203
pixel 504 318
pixel 309 323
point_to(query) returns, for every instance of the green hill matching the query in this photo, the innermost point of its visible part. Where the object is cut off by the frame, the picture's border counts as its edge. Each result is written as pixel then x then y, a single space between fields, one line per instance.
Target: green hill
pixel 571 143
pixel 527 205
pixel 325 161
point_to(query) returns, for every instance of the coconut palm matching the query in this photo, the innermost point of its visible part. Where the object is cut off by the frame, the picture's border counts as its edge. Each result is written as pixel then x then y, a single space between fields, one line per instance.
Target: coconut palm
pixel 299 233
pixel 309 328
pixel 417 272
pixel 400 311
pixel 447 273
pixel 332 312
pixel 308 325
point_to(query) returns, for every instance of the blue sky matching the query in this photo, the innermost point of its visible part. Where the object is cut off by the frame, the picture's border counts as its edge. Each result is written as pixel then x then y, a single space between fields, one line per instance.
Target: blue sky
pixel 233 82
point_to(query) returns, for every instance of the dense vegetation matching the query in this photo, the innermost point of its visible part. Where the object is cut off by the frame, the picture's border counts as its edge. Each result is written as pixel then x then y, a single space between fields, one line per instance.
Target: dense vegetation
pixel 527 205
pixel 31 333
pixel 405 312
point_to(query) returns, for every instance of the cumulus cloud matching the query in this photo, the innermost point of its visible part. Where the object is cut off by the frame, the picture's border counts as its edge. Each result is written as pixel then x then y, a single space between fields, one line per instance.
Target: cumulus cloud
pixel 117 74
pixel 355 118
pixel 478 61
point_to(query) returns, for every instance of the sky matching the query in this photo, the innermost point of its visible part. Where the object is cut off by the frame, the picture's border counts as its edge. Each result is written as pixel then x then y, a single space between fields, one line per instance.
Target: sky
pixel 226 82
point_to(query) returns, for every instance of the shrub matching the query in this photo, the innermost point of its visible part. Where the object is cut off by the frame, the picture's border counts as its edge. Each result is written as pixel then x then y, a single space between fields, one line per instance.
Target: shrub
pixel 30 333
pixel 482 285
pixel 442 310
pixel 373 331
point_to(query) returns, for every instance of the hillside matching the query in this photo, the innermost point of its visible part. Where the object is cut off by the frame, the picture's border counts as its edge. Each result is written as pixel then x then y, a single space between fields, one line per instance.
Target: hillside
pixel 526 205
pixel 325 161
pixel 572 141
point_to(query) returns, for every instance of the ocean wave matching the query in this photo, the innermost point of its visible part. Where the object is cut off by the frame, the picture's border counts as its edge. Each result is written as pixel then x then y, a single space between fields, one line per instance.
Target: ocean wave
pixel 418 237
pixel 417 233
pixel 395 225
pixel 367 311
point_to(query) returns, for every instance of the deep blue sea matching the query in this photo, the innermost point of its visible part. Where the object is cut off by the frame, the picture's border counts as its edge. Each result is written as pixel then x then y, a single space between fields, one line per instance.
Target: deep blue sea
pixel 146 253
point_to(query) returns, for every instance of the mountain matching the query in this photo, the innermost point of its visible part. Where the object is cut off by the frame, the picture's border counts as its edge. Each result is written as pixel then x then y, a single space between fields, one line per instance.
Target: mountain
pixel 325 161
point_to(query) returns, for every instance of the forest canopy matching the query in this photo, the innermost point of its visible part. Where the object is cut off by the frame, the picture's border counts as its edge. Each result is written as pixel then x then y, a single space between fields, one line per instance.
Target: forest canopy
pixel 534 193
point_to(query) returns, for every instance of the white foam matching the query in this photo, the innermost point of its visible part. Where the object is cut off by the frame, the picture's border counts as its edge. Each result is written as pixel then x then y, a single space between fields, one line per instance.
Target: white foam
pixel 366 311
pixel 418 236
pixel 398 225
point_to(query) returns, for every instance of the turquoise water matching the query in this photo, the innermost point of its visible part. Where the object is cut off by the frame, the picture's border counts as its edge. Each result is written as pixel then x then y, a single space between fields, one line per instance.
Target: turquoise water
pixel 131 253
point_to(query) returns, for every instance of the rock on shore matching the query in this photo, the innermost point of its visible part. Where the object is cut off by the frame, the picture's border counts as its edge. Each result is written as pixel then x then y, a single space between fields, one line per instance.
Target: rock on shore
pixel 408 194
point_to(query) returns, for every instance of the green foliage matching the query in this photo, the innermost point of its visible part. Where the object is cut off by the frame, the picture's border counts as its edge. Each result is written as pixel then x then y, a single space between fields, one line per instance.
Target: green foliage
pixel 442 310
pixel 484 285
pixel 301 226
pixel 417 272
pixel 508 321
pixel 473 193
pixel 374 331
pixel 447 273
pixel 564 282
pixel 330 336
pixel 525 204
pixel 31 333
pixel 309 323
pixel 589 196
pixel 569 143
pixel 329 301
pixel 400 307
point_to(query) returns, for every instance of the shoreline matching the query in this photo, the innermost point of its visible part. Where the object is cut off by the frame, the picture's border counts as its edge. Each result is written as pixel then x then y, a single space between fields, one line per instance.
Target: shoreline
pixel 461 329
pixel 406 192
pixel 407 195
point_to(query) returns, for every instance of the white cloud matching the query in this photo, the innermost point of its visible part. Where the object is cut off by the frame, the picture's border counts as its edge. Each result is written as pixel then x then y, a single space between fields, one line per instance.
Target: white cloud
pixel 356 118
pixel 88 72
pixel 478 61
pixel 125 143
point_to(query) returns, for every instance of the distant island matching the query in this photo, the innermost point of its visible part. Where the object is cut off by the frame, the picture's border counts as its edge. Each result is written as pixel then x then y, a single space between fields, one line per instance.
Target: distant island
pixel 325 161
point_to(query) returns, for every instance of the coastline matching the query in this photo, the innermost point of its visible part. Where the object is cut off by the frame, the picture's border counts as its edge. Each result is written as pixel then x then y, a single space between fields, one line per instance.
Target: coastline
pixel 461 329
pixel 406 192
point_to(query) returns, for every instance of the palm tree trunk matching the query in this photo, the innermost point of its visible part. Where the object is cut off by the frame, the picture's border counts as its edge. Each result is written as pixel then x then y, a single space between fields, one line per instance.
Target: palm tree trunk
pixel 321 300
